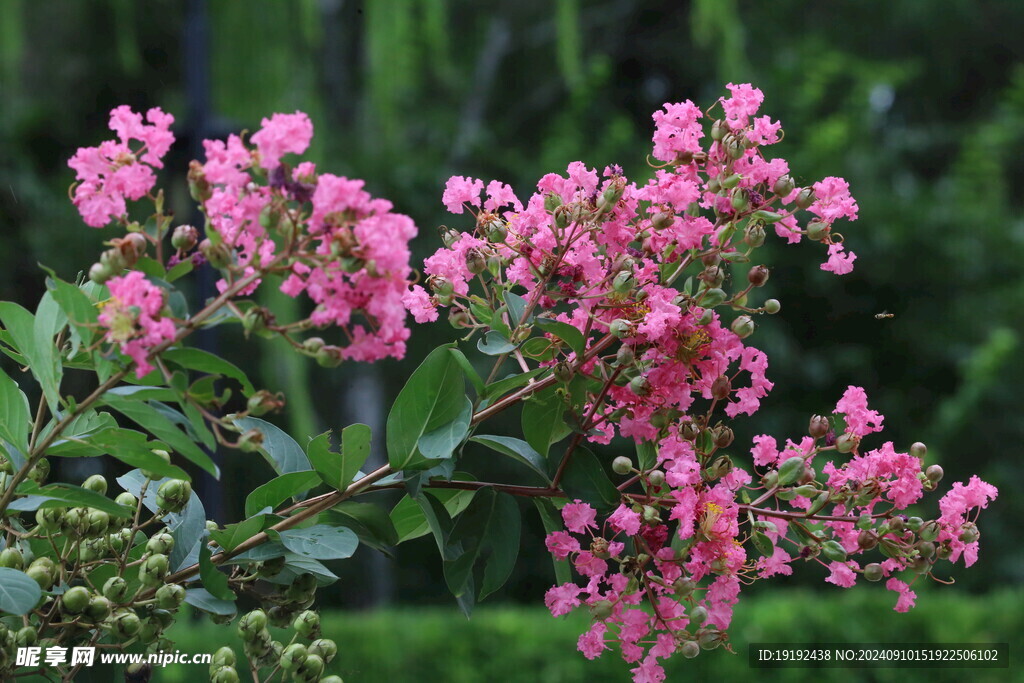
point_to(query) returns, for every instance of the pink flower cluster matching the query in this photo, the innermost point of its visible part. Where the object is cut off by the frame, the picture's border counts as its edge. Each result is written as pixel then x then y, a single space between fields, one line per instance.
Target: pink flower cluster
pixel 113 171
pixel 134 318
pixel 348 252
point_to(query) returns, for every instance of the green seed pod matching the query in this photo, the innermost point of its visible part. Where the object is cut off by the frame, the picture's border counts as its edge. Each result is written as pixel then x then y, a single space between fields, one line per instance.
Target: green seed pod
pixel 740 200
pixel 97 522
pixel 293 655
pixel 149 632
pixel 219 255
pixel 640 386
pixel 40 471
pixel 311 668
pixel 170 596
pixel 656 479
pixel 11 558
pixel 969 533
pixel 173 495
pixel 307 624
pixel 161 543
pixel 153 570
pixel 754 234
pixel 805 198
pixel 770 480
pixel 929 531
pixel 26 636
pixel 75 600
pixel 225 656
pixel 100 273
pixel 99 608
pixel 721 387
pixel 684 587
pixel 866 540
pixel 743 326
pixel 551 202
pixel 690 649
pixel 791 470
pixel 651 515
pixel 116 590
pixel 601 610
pixel 625 356
pixel 719 129
pixel 772 306
pixel 97 483
pixel 162 617
pixel 622 465
pixel 312 345
pixel 709 639
pixel 224 674
pixel 817 230
pixel 124 624
pixel 783 186
pixel 271 567
pixel 184 237
pixel 834 551
pixel 698 615
pixel 163 455
pixel 934 473
pixel 873 572
pixel 252 624
pixel 41 574
pixel 807 491
pixel 846 442
pixel 926 548
pixel 126 499
pixel 280 616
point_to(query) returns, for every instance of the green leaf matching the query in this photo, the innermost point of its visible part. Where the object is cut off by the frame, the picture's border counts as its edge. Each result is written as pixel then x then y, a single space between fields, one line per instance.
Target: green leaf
pixel 161 427
pixel 203 361
pixel 566 332
pixel 647 455
pixel 339 469
pixel 496 390
pixel 42 358
pixel 441 443
pixel 494 344
pixel 469 371
pixel 491 523
pixel 433 396
pixel 516 308
pixel 542 420
pixel 79 309
pixel 585 478
pixel 540 348
pixel 67 495
pixel 409 520
pixel 127 445
pixel 440 524
pixel 232 535
pixel 213 581
pixel 19 593
pixel 319 542
pixel 50 320
pixel 518 450
pixel 180 270
pixel 551 520
pixel 280 489
pixel 762 543
pixel 370 522
pixel 200 598
pixel 280 450
pixel 15 415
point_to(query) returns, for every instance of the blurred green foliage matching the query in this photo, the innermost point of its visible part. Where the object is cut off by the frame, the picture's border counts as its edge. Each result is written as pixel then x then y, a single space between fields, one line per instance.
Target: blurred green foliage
pixel 920 109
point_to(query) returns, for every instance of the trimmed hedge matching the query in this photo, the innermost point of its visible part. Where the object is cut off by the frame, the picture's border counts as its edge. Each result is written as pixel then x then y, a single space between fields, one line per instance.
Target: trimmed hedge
pixel 511 644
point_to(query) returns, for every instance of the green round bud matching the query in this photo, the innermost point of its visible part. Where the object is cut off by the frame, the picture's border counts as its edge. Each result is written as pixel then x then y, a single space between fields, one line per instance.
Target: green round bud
pixel 790 470
pixel 124 623
pixel 601 610
pixel 41 575
pixel 918 450
pixel 846 442
pixel 307 624
pixel 116 590
pixel 929 531
pixel 331 679
pixel 698 615
pixel 622 465
pixel 75 600
pixel 656 478
pixel 817 230
pixel 224 674
pixel 709 639
pixel 11 558
pixel 26 636
pixel 99 608
pixel 97 522
pixel 100 273
pixel 280 616
pixel 915 524
pixel 310 668
pixel 293 655
pixel 866 540
pixel 170 596
pixel 126 499
pixel 184 237
pixel 719 129
pixel 173 495
pixel 873 572
pixel 758 276
pixel 834 551
pixel 684 586
pixel 865 521
pixel 926 548
pixel 783 186
pixel 225 656
pixel 969 533
pixel 740 200
pixel 620 328
pixel 40 471
pixel 252 623
pixel 160 543
pixel 772 306
pixel 651 515
pixel 640 386
pixel 805 198
pixel 163 455
pixel 153 570
pixel 97 483
pixel 934 473
pixel 743 326
pixel 690 649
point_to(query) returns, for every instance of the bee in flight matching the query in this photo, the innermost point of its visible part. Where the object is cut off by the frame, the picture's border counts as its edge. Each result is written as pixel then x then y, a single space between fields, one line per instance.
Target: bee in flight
pixel 883 315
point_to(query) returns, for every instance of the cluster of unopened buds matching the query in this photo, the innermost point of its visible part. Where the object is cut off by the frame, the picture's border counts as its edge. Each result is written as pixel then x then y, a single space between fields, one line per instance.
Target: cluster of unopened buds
pixel 641 275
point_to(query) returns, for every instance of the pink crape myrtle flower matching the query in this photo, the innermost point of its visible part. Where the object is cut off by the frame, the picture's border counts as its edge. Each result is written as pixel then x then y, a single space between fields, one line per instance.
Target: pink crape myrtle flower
pixel 133 319
pixel 282 134
pixel 859 420
pixel 459 191
pixel 906 598
pixel 119 170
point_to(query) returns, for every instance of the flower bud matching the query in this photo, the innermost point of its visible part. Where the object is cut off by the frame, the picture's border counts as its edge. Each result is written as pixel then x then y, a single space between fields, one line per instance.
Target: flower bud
pixel 757 276
pixel 818 426
pixel 623 282
pixel 656 479
pixel 170 596
pixel 934 473
pixel 97 483
pixel 26 636
pixel 293 655
pixel 698 615
pixel 153 570
pixel 11 558
pixel 250 441
pixel 734 146
pixel 817 230
pixel 224 656
pixel 790 470
pixel 770 480
pixel 184 237
pixel 100 273
pixel 743 326
pixel 721 387
pixel 329 356
pixel 173 495
pixel 926 549
pixel 163 455
pixel 713 275
pixel 873 572
pixel 198 186
pixel 772 306
pixel 620 328
pixel 601 610
pixel 160 543
pixel 75 600
pixel 689 649
pixel 651 515
pixel 866 540
pixel 846 442
pixel 805 197
pixel 783 186
pixel 622 465
pixel 218 255
pixel 719 129
pixel 96 522
pixel 640 386
pixel 918 450
pixel 99 608
pixel 662 220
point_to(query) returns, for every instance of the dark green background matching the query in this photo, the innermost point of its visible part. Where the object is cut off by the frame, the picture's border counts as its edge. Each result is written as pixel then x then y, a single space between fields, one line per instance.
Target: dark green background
pixel 919 104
